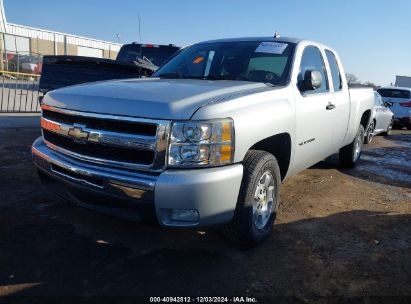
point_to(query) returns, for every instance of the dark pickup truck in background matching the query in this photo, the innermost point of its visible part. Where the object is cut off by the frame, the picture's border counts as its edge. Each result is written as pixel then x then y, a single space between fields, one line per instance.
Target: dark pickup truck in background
pixel 133 61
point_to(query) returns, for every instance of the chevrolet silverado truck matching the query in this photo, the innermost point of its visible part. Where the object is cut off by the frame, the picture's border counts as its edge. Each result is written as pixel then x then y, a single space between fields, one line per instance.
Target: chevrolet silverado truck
pixel 208 139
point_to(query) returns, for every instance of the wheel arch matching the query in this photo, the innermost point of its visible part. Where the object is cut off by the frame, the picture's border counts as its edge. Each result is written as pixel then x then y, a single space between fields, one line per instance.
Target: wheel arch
pixel 366 119
pixel 278 145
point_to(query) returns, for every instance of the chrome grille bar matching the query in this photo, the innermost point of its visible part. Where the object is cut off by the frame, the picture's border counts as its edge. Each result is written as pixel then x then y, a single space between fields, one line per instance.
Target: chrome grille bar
pixel 81 133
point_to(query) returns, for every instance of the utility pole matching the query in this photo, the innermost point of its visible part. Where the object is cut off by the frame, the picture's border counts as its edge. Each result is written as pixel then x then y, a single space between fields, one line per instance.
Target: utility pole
pixel 2 53
pixel 55 44
pixel 65 44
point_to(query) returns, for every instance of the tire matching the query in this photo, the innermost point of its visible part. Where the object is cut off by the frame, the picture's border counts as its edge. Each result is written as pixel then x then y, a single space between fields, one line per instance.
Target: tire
pixel 389 128
pixel 254 217
pixel 350 154
pixel 369 134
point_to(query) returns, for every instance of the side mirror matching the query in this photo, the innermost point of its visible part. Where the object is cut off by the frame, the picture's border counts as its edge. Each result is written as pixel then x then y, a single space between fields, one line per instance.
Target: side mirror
pixel 312 81
pixel 387 104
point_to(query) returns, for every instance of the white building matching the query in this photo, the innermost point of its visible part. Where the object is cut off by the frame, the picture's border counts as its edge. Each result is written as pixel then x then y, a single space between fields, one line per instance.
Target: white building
pixel 28 40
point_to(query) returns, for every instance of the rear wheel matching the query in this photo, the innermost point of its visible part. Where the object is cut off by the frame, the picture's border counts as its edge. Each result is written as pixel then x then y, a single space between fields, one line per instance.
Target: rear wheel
pixel 258 199
pixel 370 133
pixel 350 154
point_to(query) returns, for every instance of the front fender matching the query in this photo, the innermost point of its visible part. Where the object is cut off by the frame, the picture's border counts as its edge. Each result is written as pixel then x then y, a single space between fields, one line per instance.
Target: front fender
pixel 256 117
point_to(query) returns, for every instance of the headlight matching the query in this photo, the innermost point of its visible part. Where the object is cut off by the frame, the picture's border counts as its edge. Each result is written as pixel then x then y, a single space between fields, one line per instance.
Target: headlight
pixel 201 143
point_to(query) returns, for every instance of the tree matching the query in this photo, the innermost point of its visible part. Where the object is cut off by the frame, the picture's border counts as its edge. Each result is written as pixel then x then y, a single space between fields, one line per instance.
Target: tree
pixel 352 79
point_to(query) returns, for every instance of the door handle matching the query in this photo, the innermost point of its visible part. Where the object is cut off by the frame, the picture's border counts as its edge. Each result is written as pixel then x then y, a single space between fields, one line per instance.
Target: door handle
pixel 330 106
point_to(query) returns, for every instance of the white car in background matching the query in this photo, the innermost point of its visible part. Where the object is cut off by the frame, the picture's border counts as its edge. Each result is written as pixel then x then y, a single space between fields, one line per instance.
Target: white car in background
pixel 382 119
pixel 400 103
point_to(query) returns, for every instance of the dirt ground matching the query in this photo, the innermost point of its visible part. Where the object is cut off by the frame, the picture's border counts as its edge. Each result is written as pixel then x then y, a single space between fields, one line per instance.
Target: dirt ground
pixel 340 235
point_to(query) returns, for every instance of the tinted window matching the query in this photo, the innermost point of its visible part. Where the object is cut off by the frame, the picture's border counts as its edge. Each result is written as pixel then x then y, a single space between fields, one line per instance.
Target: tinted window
pixel 335 71
pixel 271 64
pixel 256 61
pixel 394 93
pixel 313 61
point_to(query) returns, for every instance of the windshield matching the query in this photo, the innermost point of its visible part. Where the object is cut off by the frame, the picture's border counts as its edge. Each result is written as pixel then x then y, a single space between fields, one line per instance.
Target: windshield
pixel 157 55
pixel 395 93
pixel 256 61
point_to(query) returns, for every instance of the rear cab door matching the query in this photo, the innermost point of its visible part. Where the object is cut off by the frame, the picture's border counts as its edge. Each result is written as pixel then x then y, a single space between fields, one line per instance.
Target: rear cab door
pixel 340 112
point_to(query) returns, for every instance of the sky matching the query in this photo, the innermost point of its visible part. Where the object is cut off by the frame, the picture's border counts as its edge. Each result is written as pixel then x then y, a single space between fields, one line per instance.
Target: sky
pixel 373 38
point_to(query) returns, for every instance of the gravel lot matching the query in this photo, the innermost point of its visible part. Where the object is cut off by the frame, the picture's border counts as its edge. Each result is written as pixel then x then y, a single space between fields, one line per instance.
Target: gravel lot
pixel 338 233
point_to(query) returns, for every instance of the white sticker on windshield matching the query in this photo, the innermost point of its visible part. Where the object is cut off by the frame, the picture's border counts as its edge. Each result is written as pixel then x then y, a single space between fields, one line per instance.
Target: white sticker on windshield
pixel 271 47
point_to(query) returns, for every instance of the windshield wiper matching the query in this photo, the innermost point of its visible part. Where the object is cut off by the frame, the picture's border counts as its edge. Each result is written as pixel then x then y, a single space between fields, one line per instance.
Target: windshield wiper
pixel 170 75
pixel 219 77
pixel 179 76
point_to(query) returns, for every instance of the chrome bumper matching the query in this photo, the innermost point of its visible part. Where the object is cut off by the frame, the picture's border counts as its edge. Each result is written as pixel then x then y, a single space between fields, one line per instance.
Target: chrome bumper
pixel 116 192
pixel 212 192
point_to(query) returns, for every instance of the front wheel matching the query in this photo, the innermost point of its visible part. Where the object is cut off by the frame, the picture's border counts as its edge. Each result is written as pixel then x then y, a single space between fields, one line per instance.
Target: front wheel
pixel 258 199
pixel 350 154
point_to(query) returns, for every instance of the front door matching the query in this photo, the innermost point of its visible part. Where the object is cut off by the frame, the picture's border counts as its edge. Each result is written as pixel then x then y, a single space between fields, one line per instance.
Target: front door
pixel 313 119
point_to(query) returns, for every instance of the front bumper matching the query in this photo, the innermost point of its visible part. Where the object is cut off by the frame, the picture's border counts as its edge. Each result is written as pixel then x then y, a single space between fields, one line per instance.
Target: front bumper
pixel 212 192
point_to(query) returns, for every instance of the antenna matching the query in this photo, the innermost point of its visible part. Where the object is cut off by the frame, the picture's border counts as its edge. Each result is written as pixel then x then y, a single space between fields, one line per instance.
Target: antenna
pixel 118 37
pixel 276 34
pixel 139 26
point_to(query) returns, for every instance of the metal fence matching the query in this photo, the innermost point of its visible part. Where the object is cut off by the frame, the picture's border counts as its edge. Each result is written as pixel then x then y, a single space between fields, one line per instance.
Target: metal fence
pixel 19 92
pixel 19 79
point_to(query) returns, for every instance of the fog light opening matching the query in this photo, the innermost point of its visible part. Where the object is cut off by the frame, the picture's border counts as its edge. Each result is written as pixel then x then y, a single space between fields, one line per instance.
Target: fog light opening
pixel 180 217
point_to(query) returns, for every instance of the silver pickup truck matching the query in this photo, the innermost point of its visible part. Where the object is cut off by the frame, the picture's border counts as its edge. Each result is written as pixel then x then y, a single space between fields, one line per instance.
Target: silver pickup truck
pixel 208 139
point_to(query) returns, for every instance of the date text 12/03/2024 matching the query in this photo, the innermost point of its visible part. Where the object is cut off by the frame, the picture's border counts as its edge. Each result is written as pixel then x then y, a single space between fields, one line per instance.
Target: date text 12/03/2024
pixel 238 299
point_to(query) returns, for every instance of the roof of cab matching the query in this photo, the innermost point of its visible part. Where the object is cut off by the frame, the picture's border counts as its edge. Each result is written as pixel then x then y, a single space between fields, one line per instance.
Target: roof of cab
pixel 273 39
pixel 279 39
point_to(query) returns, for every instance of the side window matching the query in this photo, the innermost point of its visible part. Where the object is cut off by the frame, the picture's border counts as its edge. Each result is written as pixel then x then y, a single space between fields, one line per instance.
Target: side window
pixel 335 71
pixel 377 101
pixel 313 61
pixel 380 100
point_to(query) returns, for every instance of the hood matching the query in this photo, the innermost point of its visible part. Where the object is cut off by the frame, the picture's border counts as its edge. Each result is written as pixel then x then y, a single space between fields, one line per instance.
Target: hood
pixel 149 97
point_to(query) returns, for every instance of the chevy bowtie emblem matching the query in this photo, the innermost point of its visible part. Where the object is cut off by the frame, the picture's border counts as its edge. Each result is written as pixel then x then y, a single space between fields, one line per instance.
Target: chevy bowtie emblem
pixel 78 133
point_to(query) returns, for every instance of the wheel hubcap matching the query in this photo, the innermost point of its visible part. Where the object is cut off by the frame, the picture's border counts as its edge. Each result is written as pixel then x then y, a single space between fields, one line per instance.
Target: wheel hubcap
pixel 358 147
pixel 263 200
pixel 370 132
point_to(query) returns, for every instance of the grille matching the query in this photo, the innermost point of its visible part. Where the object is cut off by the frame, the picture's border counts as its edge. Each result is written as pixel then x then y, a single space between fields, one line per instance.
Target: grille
pixel 111 125
pixel 127 143
pixel 118 154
